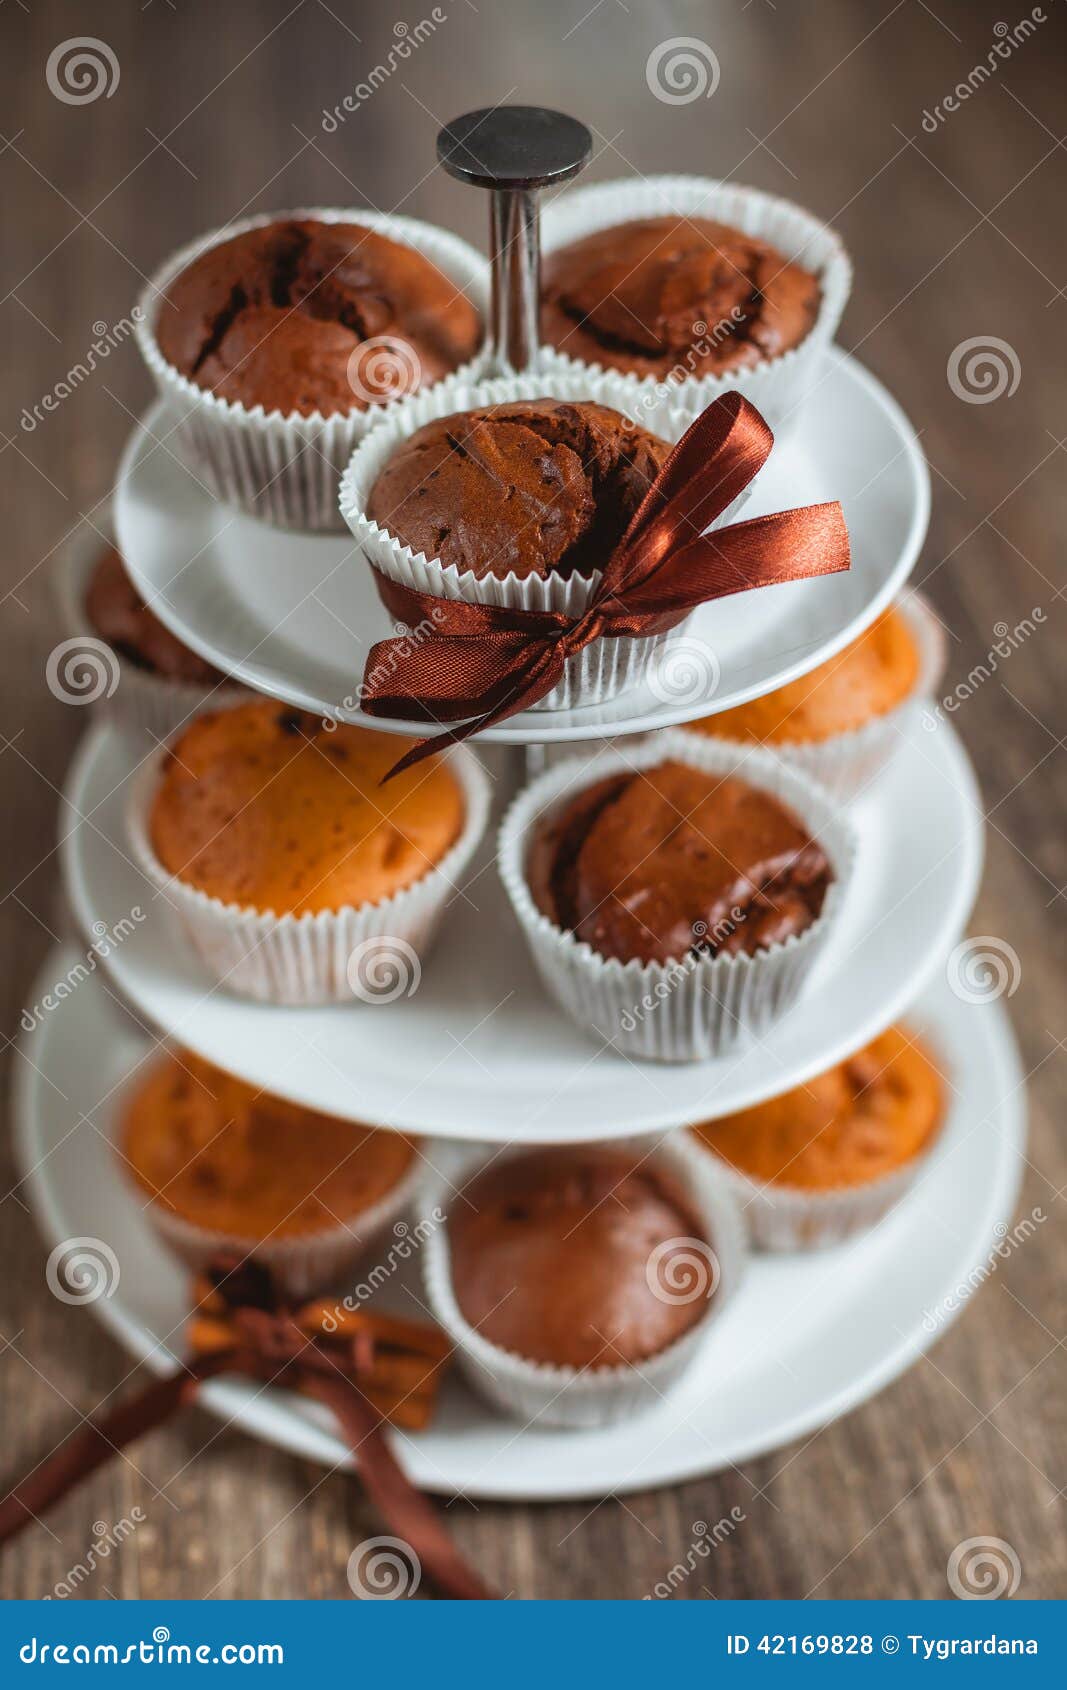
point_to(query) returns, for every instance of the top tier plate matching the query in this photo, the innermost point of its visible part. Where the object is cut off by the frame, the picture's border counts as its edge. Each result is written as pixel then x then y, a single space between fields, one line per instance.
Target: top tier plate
pixel 294 615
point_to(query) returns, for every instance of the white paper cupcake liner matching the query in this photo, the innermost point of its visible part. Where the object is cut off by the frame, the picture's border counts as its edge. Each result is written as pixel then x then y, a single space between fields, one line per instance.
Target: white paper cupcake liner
pixel 848 763
pixel 777 387
pixel 607 667
pixel 367 955
pixel 569 1397
pixel 151 705
pixel 301 1265
pixel 284 468
pixel 696 1008
pixel 785 1218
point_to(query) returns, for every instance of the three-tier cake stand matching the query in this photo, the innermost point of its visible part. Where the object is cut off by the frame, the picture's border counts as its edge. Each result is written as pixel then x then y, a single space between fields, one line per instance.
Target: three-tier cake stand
pixel 477 1052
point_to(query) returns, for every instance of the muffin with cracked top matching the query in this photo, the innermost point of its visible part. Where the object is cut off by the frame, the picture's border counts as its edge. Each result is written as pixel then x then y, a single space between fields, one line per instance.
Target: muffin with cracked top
pixel 693 287
pixel 117 612
pixel 275 344
pixel 148 680
pixel 521 500
pixel 672 297
pixel 655 864
pixel 276 317
pixel 531 487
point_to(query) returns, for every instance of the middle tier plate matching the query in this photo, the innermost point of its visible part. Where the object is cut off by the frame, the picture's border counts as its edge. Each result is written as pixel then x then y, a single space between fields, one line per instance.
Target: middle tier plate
pixel 478 1051
pixel 295 615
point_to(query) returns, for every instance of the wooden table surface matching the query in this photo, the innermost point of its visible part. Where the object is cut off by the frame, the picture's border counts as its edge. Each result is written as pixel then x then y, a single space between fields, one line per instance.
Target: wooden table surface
pixel 955 220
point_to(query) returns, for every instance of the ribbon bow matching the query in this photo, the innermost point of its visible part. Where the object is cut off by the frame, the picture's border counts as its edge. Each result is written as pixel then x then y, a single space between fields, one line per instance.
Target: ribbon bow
pixel 367 1369
pixel 481 663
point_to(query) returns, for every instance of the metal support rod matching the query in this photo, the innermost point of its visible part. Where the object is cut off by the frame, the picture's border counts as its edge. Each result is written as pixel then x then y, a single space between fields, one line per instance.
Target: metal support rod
pixel 515 256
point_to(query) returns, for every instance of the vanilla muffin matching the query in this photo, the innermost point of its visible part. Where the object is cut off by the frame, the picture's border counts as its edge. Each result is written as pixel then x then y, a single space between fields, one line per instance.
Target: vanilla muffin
pixel 266 806
pixel 859 1129
pixel 288 858
pixel 842 721
pixel 226 1166
pixel 868 678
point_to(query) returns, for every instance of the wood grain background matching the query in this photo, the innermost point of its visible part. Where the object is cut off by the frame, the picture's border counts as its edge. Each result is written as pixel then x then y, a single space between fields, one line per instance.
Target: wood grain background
pixel 958 232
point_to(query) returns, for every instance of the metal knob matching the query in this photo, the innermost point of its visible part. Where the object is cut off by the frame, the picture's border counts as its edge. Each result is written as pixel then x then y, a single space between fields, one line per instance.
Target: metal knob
pixel 514 151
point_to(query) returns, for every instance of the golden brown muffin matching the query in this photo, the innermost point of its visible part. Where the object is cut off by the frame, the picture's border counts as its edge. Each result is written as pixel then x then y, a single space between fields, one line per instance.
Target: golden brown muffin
pixel 230 1159
pixel 860 1120
pixel 869 678
pixel 266 807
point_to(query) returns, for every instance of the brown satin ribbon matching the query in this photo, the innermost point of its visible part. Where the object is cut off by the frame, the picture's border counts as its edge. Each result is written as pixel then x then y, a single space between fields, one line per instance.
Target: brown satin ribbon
pixel 481 663
pixel 268 1339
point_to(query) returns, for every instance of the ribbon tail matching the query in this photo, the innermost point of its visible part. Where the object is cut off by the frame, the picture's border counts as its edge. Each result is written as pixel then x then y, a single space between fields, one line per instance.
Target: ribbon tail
pixel 97 1440
pixel 405 1510
pixel 450 679
pixel 542 671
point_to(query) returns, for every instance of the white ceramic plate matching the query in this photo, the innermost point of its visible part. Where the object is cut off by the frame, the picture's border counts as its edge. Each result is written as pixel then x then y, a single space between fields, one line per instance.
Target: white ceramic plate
pixel 294 615
pixel 807 1339
pixel 479 1051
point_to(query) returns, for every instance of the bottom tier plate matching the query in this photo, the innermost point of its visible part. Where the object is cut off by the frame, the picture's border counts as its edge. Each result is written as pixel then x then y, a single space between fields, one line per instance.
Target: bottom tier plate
pixel 807 1339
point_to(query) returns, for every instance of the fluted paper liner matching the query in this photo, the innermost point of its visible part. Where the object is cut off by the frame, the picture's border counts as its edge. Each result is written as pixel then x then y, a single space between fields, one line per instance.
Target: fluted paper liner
pixel 543 1395
pixel 283 467
pixel 306 959
pixel 606 668
pixel 695 1008
pixel 778 386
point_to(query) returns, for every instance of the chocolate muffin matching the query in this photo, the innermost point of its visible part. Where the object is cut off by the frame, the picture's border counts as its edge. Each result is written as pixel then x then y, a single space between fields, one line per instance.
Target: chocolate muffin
pixel 670 296
pixel 524 488
pixel 118 613
pixel 273 316
pixel 550 1257
pixel 659 864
